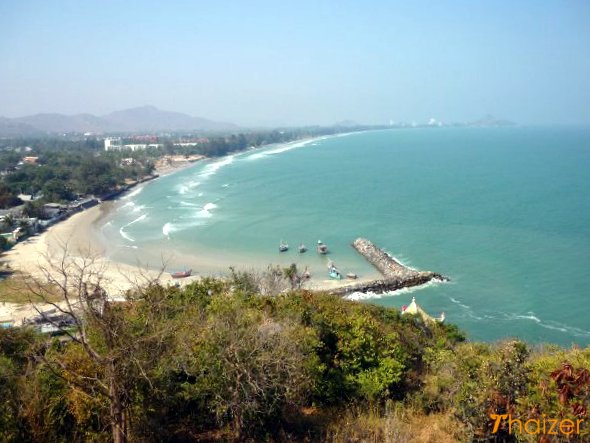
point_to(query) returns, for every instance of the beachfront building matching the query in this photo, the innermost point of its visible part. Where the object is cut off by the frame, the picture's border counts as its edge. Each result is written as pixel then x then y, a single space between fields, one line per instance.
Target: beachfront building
pixel 30 160
pixel 116 144
pixel 113 144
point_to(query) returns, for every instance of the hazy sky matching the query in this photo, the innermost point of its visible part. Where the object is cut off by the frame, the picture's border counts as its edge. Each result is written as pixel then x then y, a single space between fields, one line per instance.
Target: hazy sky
pixel 299 62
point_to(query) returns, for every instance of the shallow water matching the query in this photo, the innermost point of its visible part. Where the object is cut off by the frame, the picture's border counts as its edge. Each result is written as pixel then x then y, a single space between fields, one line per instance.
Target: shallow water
pixel 504 212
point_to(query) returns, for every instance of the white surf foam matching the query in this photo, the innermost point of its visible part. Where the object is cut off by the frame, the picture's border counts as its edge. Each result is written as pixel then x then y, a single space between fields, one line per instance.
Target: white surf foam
pixel 189 204
pixel 457 302
pixel 547 324
pixel 206 211
pixel 183 188
pixel 282 148
pixel 167 229
pixel 528 316
pixel 133 193
pixel 402 261
pixel 122 229
pixel 467 309
pixel 138 219
pixel 126 205
pixel 564 328
pixel 140 208
pixel 357 296
pixel 125 235
pixel 212 168
pixel 553 325
pixel 396 293
pixel 554 328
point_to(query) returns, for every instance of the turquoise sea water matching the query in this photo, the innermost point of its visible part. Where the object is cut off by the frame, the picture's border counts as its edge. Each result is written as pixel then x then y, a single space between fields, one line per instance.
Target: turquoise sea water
pixel 504 212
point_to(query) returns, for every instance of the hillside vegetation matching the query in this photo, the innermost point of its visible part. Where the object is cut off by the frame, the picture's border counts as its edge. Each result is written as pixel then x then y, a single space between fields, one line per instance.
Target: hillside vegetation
pixel 217 361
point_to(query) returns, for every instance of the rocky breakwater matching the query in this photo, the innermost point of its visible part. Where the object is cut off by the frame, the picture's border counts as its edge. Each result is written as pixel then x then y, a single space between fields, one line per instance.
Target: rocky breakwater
pixel 395 275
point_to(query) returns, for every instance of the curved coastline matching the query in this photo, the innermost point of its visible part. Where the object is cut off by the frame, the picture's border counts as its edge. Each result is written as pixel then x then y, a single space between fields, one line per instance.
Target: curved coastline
pixel 216 262
pixel 491 240
pixel 80 235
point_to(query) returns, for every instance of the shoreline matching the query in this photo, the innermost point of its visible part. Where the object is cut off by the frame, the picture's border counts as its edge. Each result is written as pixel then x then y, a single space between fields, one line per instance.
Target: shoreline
pixel 79 237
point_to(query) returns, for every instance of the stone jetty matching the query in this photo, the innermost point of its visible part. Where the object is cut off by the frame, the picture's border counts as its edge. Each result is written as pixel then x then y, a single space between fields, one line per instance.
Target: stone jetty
pixel 395 275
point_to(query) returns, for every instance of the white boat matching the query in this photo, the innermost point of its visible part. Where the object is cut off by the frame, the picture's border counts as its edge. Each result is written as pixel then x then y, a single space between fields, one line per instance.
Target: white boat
pixel 322 248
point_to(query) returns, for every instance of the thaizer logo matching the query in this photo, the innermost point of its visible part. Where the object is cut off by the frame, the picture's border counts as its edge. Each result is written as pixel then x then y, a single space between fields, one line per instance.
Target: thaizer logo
pixel 536 426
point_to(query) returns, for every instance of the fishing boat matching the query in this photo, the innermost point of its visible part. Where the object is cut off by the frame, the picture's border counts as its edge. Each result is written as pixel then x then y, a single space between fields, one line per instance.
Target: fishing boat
pixel 333 272
pixel 322 248
pixel 302 248
pixel 182 274
pixel 283 246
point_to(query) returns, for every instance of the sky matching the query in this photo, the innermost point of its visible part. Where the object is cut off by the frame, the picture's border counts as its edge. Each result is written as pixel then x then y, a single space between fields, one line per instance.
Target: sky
pixel 265 63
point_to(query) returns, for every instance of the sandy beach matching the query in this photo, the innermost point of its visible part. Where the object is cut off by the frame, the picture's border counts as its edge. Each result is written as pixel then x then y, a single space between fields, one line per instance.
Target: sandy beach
pixel 79 239
pixel 75 237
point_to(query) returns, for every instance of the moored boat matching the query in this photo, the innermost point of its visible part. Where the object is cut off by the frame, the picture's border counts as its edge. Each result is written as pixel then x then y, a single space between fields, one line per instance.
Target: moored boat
pixel 333 272
pixel 322 248
pixel 283 246
pixel 182 274
pixel 302 248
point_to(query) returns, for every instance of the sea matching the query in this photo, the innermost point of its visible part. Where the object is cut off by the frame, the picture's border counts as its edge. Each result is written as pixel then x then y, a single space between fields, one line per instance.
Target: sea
pixel 503 212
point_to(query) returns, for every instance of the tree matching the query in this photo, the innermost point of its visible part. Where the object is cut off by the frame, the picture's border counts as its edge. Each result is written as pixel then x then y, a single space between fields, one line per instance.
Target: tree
pixel 7 197
pixel 294 277
pixel 24 226
pixel 248 365
pixel 33 209
pixel 15 344
pixel 111 343
pixel 8 221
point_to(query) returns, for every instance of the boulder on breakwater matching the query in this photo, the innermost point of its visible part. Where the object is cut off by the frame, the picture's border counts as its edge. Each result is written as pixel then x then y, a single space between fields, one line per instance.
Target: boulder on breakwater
pixel 395 275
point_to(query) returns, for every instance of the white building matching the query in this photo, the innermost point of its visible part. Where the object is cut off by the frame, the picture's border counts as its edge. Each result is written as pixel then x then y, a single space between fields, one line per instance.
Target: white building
pixel 112 144
pixel 115 144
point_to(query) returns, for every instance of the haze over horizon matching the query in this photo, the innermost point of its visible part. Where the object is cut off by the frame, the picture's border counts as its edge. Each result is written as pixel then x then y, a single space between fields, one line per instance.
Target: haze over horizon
pixel 270 64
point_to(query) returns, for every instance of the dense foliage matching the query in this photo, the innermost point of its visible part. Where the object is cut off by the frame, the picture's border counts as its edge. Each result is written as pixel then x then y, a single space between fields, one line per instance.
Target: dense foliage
pixel 69 167
pixel 66 175
pixel 217 361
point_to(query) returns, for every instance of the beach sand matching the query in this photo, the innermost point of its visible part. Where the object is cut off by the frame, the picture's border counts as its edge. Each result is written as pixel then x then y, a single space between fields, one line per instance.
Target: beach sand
pixel 79 239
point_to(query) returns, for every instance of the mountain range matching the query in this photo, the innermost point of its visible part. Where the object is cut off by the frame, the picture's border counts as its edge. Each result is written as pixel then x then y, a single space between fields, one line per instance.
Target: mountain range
pixel 144 118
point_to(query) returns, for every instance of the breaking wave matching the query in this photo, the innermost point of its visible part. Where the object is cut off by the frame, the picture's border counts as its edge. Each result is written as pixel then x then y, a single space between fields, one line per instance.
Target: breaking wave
pixel 281 149
pixel 205 212
pixel 167 229
pixel 122 229
pixel 212 168
pixel 372 295
pixel 132 193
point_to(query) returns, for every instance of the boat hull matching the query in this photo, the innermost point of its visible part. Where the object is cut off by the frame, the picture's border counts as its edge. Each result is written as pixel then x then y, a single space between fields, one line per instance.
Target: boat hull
pixel 182 274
